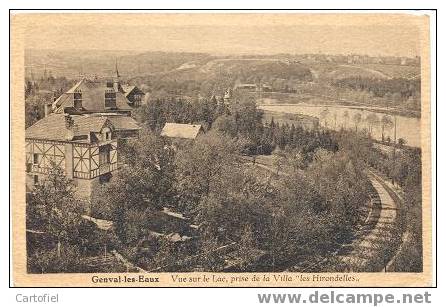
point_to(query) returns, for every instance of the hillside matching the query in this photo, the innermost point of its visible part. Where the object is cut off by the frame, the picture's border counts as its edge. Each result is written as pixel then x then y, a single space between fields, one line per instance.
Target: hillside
pixel 70 63
pixel 194 74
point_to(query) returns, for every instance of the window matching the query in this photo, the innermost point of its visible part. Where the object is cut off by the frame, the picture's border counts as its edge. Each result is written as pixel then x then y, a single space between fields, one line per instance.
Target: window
pixel 137 99
pixel 77 99
pixel 36 180
pixel 36 158
pixel 110 99
pixel 106 134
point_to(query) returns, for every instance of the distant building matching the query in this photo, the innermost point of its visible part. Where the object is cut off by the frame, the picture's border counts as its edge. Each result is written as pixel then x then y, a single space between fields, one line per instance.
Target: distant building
pixel 252 87
pixel 266 88
pixel 246 87
pixel 134 95
pixel 93 96
pixel 181 131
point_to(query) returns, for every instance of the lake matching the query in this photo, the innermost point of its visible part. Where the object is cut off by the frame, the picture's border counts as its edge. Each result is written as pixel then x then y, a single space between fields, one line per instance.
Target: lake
pixel 338 116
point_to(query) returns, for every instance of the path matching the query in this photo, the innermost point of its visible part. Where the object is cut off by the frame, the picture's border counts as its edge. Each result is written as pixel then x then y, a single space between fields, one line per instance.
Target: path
pixel 365 253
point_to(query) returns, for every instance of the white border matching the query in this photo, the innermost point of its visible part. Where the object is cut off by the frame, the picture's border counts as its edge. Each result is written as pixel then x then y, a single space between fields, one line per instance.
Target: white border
pixel 200 297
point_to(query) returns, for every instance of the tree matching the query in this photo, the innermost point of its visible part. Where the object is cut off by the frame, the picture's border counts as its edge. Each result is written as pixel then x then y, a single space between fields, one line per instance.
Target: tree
pixel 279 161
pixel 55 208
pixel 247 251
pixel 372 119
pixel 324 114
pixel 277 239
pixel 205 167
pixel 210 257
pixel 386 122
pixel 34 110
pixel 66 260
pixel 401 142
pixel 225 124
pixel 143 185
pixel 166 255
pixel 297 159
pixel 346 117
pixel 246 115
pixel 357 118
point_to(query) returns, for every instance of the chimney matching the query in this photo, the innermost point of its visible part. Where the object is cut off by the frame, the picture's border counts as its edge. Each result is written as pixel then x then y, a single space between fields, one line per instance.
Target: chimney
pixel 71 127
pixel 47 109
pixel 69 122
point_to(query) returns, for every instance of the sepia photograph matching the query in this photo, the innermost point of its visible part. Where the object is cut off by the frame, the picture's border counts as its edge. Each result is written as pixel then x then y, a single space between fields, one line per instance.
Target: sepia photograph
pixel 215 149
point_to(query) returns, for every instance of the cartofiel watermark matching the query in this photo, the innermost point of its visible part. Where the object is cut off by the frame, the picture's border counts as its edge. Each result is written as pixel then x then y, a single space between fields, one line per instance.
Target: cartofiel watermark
pixel 37 298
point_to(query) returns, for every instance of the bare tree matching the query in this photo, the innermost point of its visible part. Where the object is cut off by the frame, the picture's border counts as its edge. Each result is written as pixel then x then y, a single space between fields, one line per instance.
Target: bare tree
pixel 386 122
pixel 357 118
pixel 324 115
pixel 372 119
pixel 346 117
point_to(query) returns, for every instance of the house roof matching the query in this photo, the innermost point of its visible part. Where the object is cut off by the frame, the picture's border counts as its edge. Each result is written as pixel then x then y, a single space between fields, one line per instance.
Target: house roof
pixel 183 131
pixel 87 124
pixel 120 122
pixel 93 97
pixel 128 89
pixel 53 127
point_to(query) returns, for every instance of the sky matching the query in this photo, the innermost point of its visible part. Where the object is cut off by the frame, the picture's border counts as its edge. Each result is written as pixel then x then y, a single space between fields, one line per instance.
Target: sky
pixel 227 34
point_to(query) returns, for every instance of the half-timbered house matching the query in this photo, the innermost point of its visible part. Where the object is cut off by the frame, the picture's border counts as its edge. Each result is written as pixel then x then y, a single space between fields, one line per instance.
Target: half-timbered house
pixel 84 146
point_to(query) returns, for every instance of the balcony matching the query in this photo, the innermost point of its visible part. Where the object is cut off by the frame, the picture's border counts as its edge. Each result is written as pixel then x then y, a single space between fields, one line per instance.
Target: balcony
pixel 107 168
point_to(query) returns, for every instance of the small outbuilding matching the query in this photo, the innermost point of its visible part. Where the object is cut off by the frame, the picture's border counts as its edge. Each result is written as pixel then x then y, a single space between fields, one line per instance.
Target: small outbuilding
pixel 182 131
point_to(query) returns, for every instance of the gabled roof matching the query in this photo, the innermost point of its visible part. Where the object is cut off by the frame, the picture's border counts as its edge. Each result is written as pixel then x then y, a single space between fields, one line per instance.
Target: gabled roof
pixel 183 131
pixel 120 122
pixel 93 97
pixel 54 128
pixel 87 124
pixel 128 89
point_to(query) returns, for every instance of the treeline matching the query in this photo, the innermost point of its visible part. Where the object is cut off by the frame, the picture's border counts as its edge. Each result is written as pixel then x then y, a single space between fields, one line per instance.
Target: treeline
pixel 158 112
pixel 206 77
pixel 241 119
pixel 261 139
pixel 404 88
pixel 56 85
pixel 43 90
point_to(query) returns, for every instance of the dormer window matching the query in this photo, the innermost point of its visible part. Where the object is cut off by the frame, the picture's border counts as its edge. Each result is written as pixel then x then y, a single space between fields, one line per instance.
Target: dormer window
pixel 110 99
pixel 106 134
pixel 78 99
